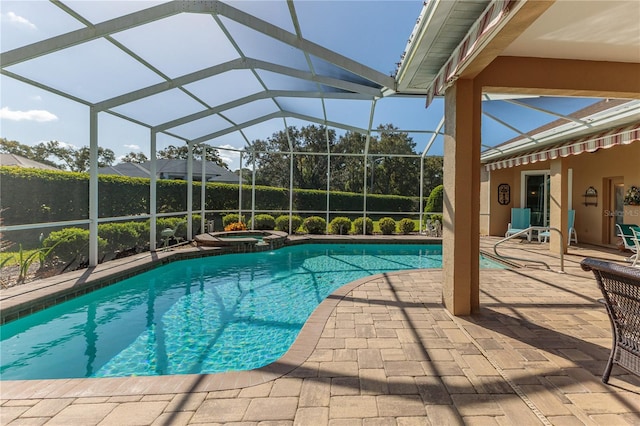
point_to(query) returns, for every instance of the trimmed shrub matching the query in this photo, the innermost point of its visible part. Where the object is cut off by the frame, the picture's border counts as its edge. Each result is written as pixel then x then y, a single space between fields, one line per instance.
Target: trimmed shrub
pixel 340 225
pixel 406 226
pixel 358 226
pixel 119 236
pixel 177 223
pixel 282 223
pixel 387 225
pixel 162 223
pixel 435 200
pixel 263 222
pixel 314 225
pixel 433 217
pixel 72 244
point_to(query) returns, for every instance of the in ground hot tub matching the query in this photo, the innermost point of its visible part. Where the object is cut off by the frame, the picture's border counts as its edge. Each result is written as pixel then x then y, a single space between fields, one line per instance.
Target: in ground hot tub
pixel 243 241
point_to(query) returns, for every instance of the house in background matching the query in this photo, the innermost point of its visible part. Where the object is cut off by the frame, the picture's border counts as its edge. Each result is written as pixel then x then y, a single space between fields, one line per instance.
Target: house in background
pixel 172 169
pixel 586 162
pixel 19 161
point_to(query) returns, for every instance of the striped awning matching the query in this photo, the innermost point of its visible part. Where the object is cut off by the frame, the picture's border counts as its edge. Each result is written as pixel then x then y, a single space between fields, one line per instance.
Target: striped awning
pixel 496 11
pixel 592 143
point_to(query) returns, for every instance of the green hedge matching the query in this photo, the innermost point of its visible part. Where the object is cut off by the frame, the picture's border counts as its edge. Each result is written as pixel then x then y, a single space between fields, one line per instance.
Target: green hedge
pixel 36 196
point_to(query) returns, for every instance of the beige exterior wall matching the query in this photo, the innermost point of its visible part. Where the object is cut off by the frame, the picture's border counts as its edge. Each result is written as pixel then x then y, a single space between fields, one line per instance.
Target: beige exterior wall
pixel 589 169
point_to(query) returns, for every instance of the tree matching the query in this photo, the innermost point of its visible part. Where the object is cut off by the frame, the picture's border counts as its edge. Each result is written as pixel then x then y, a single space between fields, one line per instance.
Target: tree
pixel 347 171
pixel 387 172
pixel 433 172
pixel 134 157
pixel 15 148
pixel 182 153
pixel 37 153
pixel 76 160
pixel 396 175
pixel 272 158
pixel 80 161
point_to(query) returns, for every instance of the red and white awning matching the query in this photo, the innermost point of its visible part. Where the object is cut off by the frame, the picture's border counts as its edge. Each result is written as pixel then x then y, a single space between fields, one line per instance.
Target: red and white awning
pixel 496 11
pixel 620 136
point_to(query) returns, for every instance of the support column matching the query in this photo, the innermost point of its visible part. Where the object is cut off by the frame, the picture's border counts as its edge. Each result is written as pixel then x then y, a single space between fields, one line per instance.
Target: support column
pixel 461 207
pixel 189 191
pixel 203 190
pixel 93 188
pixel 240 182
pixel 153 194
pixel 558 211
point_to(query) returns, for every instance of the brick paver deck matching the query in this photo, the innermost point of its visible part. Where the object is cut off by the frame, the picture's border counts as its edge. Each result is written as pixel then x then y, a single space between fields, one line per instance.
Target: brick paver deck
pixel 384 351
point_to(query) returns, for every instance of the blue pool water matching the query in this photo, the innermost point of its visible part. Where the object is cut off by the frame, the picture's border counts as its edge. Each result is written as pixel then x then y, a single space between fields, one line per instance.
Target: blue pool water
pixel 220 313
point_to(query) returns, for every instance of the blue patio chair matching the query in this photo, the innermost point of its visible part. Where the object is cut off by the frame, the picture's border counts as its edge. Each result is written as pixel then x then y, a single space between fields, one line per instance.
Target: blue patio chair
pixel 572 235
pixel 520 220
pixel 626 232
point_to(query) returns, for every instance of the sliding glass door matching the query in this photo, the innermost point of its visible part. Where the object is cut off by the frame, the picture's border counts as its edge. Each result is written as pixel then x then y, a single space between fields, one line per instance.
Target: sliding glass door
pixel 535 195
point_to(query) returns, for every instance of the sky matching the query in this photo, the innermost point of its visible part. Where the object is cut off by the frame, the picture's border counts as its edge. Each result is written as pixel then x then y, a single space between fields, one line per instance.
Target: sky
pixel 374 33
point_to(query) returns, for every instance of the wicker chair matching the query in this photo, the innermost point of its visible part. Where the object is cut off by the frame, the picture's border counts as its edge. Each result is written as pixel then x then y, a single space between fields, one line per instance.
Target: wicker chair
pixel 620 286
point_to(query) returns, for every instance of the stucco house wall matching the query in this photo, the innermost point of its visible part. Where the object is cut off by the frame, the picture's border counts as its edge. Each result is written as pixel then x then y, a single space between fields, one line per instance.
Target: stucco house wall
pixel 588 170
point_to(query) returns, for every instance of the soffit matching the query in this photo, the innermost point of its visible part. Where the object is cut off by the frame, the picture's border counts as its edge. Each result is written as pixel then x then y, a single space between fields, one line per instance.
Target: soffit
pixel 441 26
pixel 585 30
pixel 593 30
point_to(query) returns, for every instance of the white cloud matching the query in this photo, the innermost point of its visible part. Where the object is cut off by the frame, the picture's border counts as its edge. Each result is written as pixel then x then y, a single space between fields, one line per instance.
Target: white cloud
pixel 135 147
pixel 232 158
pixel 19 20
pixel 226 159
pixel 62 144
pixel 67 145
pixel 38 115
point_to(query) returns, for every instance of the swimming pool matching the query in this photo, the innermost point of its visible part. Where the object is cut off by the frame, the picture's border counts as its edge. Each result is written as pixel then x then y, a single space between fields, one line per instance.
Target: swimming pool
pixel 221 313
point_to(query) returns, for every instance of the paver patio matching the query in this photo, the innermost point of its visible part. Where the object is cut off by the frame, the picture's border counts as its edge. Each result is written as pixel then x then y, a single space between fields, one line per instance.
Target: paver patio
pixel 384 351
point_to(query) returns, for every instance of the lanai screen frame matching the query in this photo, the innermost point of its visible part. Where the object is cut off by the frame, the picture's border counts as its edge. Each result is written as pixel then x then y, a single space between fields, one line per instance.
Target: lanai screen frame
pixel 370 85
pixel 352 81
